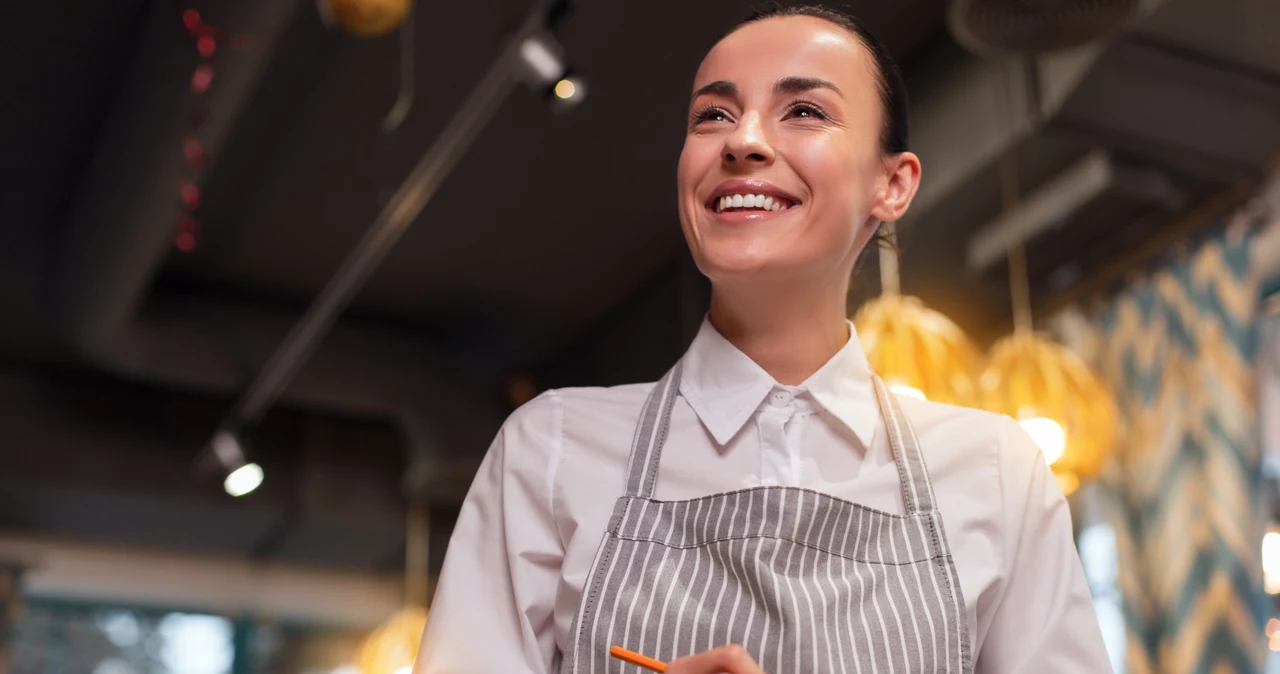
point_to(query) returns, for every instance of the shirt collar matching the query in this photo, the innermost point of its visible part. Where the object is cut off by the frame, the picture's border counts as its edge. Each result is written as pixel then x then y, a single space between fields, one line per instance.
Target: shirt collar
pixel 725 387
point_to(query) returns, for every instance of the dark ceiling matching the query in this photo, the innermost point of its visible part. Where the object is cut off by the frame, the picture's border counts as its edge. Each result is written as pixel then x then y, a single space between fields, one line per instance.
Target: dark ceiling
pixel 550 221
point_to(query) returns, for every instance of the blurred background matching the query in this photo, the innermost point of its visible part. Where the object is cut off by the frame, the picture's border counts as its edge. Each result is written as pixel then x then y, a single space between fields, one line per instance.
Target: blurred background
pixel 272 273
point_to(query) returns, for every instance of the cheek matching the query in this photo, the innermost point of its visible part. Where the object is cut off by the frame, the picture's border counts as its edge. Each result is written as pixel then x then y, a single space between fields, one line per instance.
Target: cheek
pixel 841 179
pixel 842 193
pixel 836 184
pixel 698 156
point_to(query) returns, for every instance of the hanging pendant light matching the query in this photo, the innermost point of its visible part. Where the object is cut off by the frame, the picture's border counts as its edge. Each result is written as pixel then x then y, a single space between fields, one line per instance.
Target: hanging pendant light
pixel 1053 394
pixel 918 351
pixel 393 647
pixel 365 18
pixel 1057 399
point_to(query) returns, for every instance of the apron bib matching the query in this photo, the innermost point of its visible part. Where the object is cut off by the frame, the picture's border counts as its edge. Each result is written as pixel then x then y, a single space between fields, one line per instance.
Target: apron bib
pixel 804 581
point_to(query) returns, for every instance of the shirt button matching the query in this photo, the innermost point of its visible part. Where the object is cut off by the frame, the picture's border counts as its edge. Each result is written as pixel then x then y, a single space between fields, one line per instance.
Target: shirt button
pixel 780 398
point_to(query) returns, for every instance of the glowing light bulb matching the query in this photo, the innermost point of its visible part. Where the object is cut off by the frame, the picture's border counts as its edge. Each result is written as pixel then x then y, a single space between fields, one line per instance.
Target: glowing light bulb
pixel 566 89
pixel 1271 562
pixel 908 391
pixel 243 480
pixel 1048 435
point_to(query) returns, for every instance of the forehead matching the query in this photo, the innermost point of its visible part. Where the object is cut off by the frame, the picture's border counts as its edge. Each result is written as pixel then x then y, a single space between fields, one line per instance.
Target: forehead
pixel 794 46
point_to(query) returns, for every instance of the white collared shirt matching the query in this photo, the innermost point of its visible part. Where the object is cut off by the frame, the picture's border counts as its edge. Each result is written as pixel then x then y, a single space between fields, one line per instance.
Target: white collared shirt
pixel 528 531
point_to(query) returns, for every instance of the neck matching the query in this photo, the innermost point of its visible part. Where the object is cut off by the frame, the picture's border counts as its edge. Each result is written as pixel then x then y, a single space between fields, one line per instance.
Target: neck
pixel 789 334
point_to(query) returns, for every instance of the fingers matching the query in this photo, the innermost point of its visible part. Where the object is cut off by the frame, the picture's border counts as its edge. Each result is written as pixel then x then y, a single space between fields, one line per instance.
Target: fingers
pixel 732 659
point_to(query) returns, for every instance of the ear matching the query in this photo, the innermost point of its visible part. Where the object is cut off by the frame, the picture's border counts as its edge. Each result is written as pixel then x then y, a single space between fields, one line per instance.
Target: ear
pixel 901 182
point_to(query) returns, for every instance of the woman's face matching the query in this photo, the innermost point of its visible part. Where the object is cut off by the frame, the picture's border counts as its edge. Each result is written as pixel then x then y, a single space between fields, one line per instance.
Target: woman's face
pixel 782 174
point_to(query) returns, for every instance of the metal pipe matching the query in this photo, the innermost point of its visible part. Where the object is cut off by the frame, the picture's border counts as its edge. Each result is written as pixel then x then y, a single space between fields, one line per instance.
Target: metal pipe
pixel 391 223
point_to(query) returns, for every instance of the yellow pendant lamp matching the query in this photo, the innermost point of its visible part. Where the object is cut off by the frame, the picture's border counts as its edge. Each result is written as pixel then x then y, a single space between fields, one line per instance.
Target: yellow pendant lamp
pixel 366 18
pixel 1057 399
pixel 1053 394
pixel 918 351
pixel 393 647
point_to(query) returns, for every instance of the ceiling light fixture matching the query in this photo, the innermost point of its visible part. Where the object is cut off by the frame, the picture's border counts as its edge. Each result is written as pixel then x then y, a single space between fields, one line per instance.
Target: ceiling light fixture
pixel 242 477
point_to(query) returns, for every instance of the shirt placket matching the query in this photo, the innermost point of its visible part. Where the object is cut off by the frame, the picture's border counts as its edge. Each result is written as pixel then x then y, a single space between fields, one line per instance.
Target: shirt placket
pixel 779 464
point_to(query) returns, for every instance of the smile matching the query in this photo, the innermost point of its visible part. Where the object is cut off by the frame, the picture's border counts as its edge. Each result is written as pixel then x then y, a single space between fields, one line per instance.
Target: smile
pixel 749 202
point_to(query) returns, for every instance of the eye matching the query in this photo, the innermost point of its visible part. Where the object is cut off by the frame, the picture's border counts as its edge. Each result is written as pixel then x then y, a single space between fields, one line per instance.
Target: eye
pixel 805 111
pixel 709 114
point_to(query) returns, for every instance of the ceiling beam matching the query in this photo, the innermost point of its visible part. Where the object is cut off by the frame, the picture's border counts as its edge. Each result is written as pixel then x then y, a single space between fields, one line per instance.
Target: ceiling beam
pixel 133 577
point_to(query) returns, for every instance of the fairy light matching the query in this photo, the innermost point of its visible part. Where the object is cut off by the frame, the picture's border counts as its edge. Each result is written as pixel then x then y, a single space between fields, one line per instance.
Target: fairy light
pixel 206 39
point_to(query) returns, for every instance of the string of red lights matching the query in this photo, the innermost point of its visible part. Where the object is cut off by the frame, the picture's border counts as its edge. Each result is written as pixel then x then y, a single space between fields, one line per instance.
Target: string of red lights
pixel 207 39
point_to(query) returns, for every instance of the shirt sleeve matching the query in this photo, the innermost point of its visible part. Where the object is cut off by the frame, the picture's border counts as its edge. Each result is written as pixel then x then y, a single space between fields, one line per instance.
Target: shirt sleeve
pixel 1042 619
pixel 493 606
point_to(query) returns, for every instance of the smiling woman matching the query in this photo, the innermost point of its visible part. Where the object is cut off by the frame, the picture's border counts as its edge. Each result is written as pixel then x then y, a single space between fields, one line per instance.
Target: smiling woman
pixel 801 518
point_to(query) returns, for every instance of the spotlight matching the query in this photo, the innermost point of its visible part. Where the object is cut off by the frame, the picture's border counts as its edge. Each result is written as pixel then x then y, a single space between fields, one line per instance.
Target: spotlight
pixel 243 480
pixel 570 90
pixel 242 477
pixel 568 93
pixel 543 67
pixel 565 89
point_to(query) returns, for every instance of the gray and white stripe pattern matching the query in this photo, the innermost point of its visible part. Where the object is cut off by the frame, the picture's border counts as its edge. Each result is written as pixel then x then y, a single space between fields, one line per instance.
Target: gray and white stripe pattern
pixel 806 582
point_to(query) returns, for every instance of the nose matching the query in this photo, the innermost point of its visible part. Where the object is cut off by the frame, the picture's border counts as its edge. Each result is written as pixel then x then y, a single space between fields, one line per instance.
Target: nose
pixel 748 144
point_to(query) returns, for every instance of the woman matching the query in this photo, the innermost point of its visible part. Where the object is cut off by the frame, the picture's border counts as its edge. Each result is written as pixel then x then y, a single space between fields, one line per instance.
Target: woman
pixel 768 506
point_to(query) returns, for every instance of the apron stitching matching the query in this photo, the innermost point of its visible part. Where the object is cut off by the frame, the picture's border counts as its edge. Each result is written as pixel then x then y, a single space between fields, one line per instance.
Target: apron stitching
pixel 843 503
pixel 590 604
pixel 646 466
pixel 654 456
pixel 819 548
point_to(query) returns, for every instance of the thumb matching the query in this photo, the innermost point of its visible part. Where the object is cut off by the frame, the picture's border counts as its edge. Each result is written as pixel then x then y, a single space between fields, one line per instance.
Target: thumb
pixel 732 659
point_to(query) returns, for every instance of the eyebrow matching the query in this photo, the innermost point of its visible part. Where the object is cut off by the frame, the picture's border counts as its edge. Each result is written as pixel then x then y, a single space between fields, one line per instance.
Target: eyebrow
pixel 795 85
pixel 786 85
pixel 718 88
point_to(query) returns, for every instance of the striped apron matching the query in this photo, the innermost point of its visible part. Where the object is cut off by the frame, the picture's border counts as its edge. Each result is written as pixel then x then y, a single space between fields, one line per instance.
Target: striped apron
pixel 804 581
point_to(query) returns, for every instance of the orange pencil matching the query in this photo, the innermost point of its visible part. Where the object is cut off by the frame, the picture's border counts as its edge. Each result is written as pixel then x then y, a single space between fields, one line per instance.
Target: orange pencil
pixel 637 659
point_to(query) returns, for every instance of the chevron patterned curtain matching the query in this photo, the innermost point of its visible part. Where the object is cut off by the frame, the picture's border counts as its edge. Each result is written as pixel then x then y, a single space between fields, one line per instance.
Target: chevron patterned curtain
pixel 1177 347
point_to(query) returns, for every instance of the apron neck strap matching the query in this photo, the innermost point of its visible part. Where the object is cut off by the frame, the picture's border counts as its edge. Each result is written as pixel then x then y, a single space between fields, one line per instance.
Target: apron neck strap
pixel 917 491
pixel 651 434
pixel 655 421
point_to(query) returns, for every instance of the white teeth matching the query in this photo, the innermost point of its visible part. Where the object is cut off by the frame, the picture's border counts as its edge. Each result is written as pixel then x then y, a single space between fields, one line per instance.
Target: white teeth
pixel 751 201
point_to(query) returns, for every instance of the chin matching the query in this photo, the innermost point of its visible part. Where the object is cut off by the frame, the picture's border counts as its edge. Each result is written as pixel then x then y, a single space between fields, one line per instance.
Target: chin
pixel 727 264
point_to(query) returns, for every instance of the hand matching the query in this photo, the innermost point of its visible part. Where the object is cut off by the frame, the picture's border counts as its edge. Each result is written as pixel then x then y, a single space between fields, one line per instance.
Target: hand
pixel 732 659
